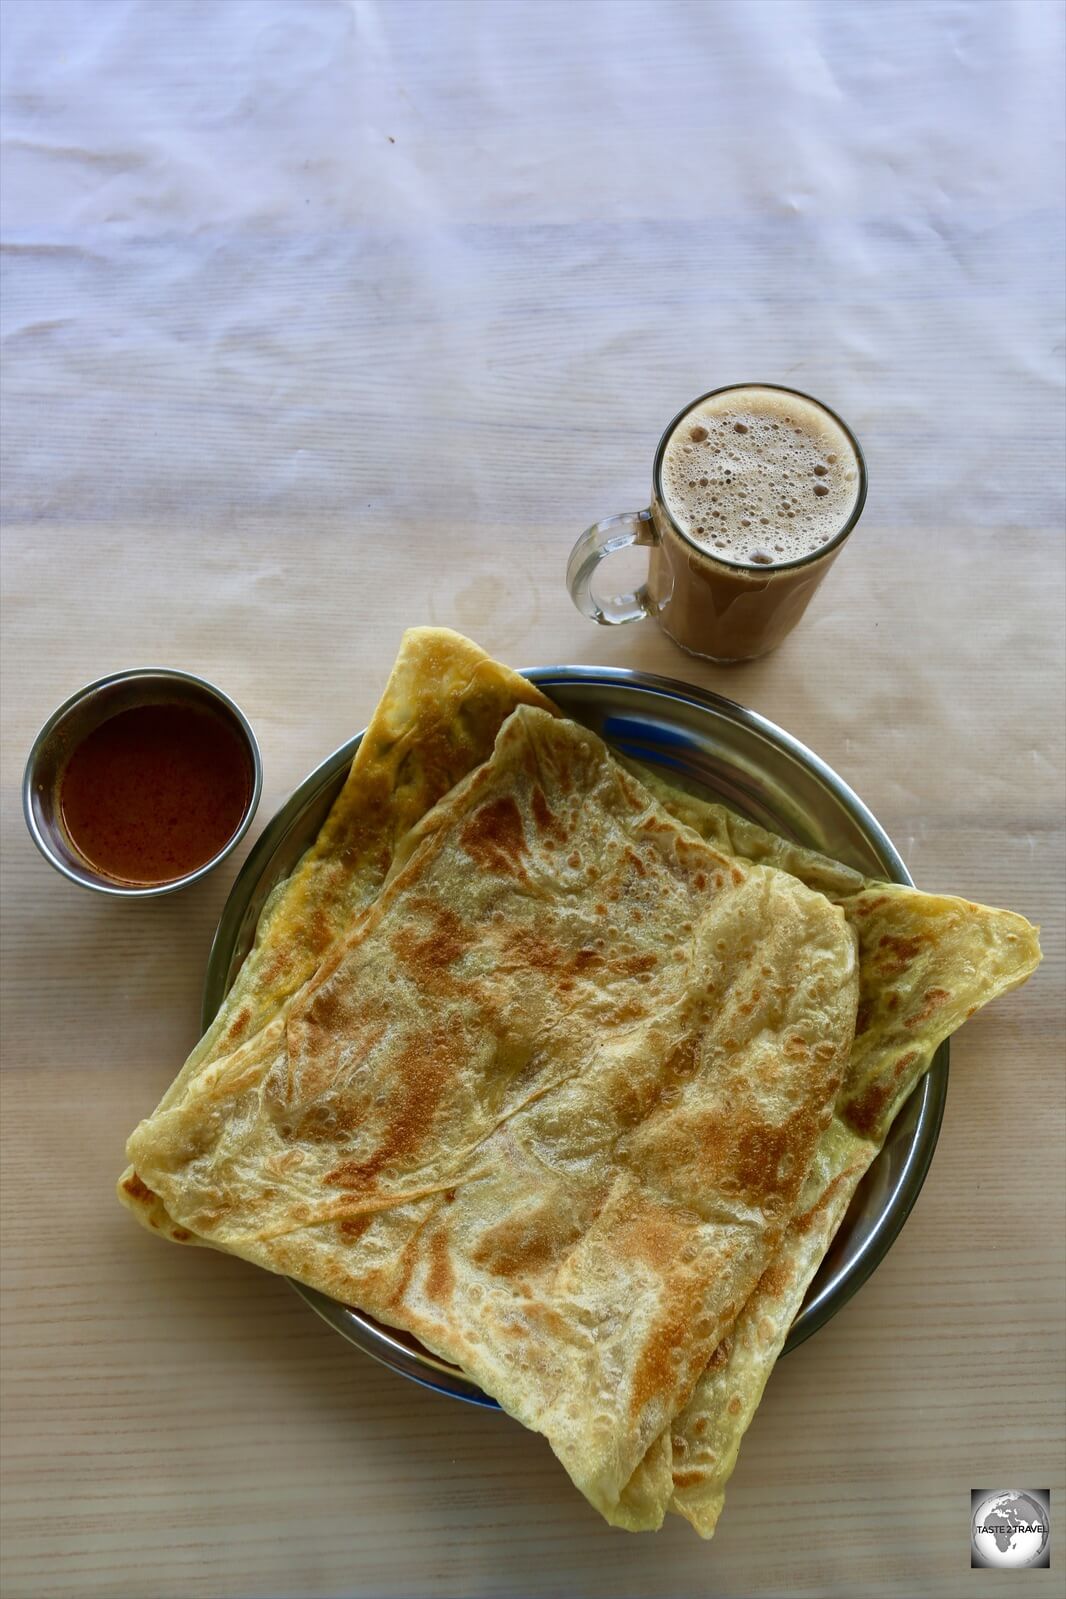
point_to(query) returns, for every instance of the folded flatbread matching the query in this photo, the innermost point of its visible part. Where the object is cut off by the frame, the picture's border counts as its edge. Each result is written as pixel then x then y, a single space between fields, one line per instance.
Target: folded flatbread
pixel 549 1108
pixel 925 963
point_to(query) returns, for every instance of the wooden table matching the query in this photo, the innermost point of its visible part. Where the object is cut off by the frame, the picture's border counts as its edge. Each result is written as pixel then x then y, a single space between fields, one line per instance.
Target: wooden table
pixel 322 321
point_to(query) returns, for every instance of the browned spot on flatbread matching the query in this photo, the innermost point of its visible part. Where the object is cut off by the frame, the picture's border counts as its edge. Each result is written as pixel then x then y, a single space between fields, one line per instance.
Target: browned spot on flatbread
pixel 719 1358
pixel 905 949
pixel 319 932
pixel 757 1157
pixel 138 1190
pixel 933 1000
pixel 425 1067
pixel 656 1368
pixel 654 1237
pixel 895 953
pixel 527 949
pixel 353 1227
pixel 238 1024
pixel 803 1223
pixel 531 1240
pixel 776 1279
pixel 687 1479
pixel 668 1352
pixel 324 1008
pixel 274 968
pixel 518 1247
pixel 407 1262
pixel 493 837
pixel 548 824
pixel 866 907
pixel 642 1094
pixel 865 1112
pixel 538 954
pixel 440 1279
pixel 323 1118
pixel 180 1235
pixel 635 861
pixel 548 1321
pixel 761 1151
pixel 437 940
pixel 627 1010
pixel 634 965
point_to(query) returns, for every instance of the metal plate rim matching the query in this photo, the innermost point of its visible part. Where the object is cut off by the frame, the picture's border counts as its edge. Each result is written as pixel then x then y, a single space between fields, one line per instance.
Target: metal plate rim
pixel 380 1342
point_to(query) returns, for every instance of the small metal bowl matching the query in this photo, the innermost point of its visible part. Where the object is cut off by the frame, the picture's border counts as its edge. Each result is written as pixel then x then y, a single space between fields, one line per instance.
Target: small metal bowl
pixel 75 719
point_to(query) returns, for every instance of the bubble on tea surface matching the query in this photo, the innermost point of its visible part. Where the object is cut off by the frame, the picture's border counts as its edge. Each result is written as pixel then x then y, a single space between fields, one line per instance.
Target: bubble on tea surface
pixel 698 434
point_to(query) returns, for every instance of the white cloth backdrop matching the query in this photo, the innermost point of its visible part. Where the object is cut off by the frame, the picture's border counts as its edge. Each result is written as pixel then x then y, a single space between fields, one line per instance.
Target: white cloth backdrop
pixel 281 253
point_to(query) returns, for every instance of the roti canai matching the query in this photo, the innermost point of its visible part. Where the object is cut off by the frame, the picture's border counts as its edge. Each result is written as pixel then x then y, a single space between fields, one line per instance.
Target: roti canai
pixel 569 1185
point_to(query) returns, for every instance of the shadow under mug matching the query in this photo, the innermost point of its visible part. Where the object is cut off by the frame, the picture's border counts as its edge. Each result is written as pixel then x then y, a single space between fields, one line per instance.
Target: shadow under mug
pixel 723 610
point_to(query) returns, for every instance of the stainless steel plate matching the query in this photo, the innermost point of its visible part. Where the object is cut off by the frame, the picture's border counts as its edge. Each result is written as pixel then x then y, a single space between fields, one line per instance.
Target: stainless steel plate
pixel 729 754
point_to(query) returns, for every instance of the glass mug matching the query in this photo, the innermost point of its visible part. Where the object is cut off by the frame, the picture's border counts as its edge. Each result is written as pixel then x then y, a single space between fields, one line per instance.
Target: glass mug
pixel 711 603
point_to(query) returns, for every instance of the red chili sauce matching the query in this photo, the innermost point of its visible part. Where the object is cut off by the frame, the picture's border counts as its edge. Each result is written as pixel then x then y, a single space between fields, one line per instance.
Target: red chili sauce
pixel 155 792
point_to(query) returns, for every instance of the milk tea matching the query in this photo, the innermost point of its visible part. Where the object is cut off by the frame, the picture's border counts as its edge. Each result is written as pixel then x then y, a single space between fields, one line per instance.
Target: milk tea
pixel 760 482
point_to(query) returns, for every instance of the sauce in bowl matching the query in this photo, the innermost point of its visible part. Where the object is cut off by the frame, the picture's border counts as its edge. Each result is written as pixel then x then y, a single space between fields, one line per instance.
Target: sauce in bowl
pixel 155 792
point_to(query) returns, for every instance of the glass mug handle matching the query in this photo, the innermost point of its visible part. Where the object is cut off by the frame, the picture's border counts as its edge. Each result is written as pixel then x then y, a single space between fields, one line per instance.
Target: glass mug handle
pixel 594 545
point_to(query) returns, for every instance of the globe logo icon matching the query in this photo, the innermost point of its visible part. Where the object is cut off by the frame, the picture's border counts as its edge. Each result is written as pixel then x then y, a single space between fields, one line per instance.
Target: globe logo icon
pixel 1010 1530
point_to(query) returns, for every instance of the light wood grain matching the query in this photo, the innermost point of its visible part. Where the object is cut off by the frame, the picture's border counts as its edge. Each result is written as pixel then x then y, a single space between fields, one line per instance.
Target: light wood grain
pixel 322 320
